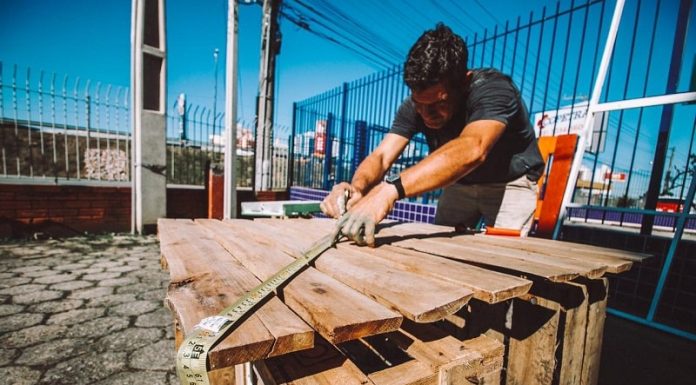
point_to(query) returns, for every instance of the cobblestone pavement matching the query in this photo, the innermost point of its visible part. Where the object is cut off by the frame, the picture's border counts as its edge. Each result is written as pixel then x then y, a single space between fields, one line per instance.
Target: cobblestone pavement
pixel 84 310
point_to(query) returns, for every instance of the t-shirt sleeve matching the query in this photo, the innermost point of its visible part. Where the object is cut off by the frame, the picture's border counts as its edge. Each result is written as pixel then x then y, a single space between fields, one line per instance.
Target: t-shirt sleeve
pixel 496 100
pixel 404 123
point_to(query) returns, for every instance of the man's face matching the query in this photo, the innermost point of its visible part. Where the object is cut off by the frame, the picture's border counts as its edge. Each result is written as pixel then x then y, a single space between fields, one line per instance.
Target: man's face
pixel 434 104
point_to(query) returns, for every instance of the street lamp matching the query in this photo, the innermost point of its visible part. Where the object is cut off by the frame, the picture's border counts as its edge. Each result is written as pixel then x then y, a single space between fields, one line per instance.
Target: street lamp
pixel 215 59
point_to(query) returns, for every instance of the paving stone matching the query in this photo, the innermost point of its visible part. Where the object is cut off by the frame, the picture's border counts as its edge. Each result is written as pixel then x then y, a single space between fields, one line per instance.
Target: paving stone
pixel 123 269
pixel 98 327
pixel 10 309
pixel 169 333
pixel 19 321
pixel 7 355
pixel 134 308
pixel 56 306
pixel 22 289
pixel 154 295
pixel 90 270
pixel 101 276
pixel 70 267
pixel 150 274
pixel 141 377
pixel 53 352
pixel 161 317
pixel 151 358
pixel 95 292
pixel 123 281
pixel 135 288
pixel 26 269
pixel 76 316
pixel 111 300
pixel 16 281
pixel 173 379
pixel 33 335
pixel 40 273
pixel 71 285
pixel 56 278
pixel 107 264
pixel 40 296
pixel 131 259
pixel 7 275
pixel 19 375
pixel 85 369
pixel 129 339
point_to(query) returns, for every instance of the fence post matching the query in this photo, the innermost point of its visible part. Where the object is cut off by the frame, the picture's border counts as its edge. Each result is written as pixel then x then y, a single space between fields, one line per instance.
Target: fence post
pixel 359 146
pixel 328 153
pixel 342 136
pixel 291 147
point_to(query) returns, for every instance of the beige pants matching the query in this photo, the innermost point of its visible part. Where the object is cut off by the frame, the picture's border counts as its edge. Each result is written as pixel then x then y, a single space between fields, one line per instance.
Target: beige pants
pixel 505 205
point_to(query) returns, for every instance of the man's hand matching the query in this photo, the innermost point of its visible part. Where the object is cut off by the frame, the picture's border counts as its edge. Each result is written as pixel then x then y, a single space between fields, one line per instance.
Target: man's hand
pixel 361 219
pixel 331 205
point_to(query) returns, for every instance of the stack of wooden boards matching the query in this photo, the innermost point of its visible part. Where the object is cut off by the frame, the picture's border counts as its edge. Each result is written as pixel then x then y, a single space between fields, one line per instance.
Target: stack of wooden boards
pixel 427 306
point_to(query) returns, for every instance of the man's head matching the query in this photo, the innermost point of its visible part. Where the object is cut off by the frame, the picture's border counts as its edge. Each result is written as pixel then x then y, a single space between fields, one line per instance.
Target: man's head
pixel 435 70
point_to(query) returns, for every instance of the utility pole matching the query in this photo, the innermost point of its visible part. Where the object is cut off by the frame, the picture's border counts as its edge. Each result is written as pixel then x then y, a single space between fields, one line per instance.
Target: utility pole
pixel 215 90
pixel 270 47
pixel 666 186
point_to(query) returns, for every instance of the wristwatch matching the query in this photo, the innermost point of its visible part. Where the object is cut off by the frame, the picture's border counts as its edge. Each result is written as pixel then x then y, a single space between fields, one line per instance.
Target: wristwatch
pixel 396 181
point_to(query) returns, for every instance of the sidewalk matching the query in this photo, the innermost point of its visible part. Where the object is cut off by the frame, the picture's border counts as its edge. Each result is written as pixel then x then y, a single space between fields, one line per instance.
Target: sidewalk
pixel 85 310
pixel 89 310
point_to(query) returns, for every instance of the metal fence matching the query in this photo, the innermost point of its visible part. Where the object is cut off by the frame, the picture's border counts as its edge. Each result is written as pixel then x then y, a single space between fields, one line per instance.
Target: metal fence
pixel 553 57
pixel 62 130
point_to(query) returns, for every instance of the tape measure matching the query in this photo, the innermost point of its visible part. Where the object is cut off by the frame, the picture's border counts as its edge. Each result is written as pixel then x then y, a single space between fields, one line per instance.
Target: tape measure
pixel 192 357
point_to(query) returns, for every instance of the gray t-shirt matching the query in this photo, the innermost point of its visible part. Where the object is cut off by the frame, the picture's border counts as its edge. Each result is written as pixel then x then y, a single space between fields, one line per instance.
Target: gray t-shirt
pixel 491 96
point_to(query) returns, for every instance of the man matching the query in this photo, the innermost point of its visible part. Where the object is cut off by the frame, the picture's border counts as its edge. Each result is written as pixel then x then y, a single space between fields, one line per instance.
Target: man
pixel 483 150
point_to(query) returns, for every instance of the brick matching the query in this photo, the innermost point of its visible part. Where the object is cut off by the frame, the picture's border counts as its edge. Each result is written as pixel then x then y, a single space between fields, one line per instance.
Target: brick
pixel 62 212
pixel 18 205
pixel 77 204
pixel 40 213
pixel 91 212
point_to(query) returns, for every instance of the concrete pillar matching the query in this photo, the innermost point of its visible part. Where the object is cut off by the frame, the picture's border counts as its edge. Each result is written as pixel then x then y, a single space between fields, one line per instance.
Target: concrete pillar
pixel 148 108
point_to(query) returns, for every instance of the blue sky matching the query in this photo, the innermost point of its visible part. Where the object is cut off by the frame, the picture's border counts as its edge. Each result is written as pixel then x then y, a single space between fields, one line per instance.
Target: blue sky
pixel 91 39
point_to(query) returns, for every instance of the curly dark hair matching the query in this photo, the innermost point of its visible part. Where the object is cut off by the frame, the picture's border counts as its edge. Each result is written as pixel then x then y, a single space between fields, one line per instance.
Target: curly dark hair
pixel 438 54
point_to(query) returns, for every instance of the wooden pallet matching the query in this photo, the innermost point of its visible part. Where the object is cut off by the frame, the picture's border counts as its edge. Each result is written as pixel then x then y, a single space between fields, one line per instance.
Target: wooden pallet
pixel 542 302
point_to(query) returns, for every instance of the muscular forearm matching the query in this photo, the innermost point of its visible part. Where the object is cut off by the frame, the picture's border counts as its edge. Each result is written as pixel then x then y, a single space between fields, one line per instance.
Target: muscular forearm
pixel 443 167
pixel 369 173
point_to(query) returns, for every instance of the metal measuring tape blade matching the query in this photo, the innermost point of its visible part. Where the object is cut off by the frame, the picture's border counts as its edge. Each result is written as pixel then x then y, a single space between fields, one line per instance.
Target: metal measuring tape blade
pixel 192 357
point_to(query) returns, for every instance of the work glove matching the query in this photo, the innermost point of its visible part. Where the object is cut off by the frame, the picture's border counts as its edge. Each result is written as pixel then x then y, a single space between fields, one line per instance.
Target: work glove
pixel 361 219
pixel 341 198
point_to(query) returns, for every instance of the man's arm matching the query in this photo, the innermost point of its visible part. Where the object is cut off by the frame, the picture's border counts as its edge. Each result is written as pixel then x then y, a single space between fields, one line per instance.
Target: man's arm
pixel 371 170
pixel 443 167
pixel 369 173
pixel 454 159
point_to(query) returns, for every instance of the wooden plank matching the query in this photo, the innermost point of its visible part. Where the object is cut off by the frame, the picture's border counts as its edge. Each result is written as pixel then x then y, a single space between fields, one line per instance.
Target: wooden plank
pixel 468 242
pixel 321 365
pixel 571 300
pixel 336 311
pixel 384 282
pixel 488 286
pixel 532 344
pixel 560 249
pixel 456 362
pixel 597 291
pixel 572 247
pixel 205 279
pixel 427 242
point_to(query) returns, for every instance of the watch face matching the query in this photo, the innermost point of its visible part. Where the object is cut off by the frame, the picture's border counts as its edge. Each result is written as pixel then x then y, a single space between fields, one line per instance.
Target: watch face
pixel 393 178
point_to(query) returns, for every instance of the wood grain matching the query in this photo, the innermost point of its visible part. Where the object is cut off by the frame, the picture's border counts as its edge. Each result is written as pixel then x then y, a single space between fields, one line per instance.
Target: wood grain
pixel 336 311
pixel 204 280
